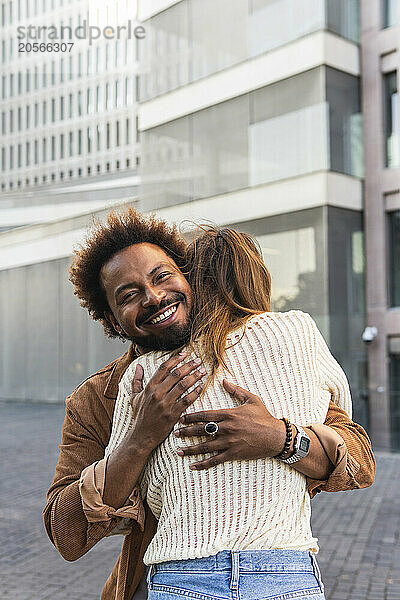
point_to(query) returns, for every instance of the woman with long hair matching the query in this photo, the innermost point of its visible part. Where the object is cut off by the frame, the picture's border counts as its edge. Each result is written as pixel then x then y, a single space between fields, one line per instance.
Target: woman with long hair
pixel 240 529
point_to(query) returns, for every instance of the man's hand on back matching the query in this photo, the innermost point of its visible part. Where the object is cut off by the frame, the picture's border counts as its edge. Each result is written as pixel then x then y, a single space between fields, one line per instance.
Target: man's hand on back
pixel 247 432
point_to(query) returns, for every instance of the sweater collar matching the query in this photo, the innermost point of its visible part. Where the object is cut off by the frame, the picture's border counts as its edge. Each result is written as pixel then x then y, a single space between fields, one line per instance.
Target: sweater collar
pixel 119 368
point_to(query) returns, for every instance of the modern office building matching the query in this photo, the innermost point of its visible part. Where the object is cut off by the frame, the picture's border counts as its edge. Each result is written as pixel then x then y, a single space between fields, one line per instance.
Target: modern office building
pixel 66 100
pixel 250 116
pixel 380 45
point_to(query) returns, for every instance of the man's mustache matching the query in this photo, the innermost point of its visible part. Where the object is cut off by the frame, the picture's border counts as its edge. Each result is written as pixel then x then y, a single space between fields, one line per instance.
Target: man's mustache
pixel 172 299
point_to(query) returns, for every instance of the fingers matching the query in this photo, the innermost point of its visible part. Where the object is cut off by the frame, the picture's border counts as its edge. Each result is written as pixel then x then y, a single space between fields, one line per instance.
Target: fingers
pixel 164 369
pixel 204 448
pixel 236 391
pixel 211 462
pixel 205 415
pixel 190 398
pixel 195 430
pixel 137 381
pixel 177 384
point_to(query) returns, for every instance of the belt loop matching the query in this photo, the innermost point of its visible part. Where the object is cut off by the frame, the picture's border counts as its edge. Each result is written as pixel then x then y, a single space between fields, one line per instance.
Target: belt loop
pixel 234 584
pixel 317 571
pixel 150 573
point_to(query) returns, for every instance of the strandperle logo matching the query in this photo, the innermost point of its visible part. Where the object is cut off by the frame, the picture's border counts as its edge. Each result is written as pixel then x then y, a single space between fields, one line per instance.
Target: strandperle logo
pixel 80 32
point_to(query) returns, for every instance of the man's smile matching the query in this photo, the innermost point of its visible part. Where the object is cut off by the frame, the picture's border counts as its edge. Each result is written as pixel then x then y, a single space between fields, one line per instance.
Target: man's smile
pixel 165 316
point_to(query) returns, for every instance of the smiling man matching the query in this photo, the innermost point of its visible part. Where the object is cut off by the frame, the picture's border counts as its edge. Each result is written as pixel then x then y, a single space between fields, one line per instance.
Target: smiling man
pixel 149 298
pixel 128 275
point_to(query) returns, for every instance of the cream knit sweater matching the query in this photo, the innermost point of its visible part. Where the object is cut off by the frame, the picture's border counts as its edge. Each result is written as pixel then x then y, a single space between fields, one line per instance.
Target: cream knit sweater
pixel 242 504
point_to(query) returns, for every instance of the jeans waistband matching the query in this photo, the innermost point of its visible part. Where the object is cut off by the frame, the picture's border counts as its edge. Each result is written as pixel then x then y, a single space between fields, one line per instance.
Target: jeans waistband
pixel 246 560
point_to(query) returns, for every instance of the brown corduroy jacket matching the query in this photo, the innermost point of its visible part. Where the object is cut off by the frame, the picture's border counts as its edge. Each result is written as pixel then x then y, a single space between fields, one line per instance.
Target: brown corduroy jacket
pixel 85 435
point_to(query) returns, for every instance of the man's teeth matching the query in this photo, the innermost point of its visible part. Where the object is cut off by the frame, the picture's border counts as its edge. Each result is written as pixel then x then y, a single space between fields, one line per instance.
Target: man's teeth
pixel 164 315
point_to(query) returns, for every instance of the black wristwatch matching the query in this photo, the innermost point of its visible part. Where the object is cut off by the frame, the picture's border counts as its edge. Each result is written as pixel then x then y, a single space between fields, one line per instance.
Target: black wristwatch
pixel 301 446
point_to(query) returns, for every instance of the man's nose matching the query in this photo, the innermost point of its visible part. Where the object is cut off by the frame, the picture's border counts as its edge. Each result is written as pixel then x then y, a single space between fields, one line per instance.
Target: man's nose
pixel 153 296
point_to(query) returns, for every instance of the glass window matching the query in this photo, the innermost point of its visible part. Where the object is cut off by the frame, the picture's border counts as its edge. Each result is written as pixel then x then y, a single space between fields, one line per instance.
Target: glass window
pixel 19 82
pixel 89 101
pixel 80 103
pixel 3 123
pixel 89 140
pixel 44 113
pixel 99 99
pixel 61 70
pixel 128 91
pixel 108 56
pixel 389 13
pixel 36 78
pixel 98 59
pixel 53 72
pixel 3 159
pixel 36 152
pixel 98 138
pixel 62 150
pixel 11 85
pixel 117 134
pixel 394 377
pixel 108 136
pixel 36 114
pixel 391 119
pixel 220 151
pixel 167 50
pixel 3 87
pixel 118 53
pixel 127 132
pixel 19 156
pixel 11 121
pixel 71 143
pixel 28 117
pixel 89 61
pixel 53 147
pixel 343 18
pixel 3 52
pixel 44 150
pixel 53 110
pixel 62 108
pixel 27 154
pixel 71 106
pixel 345 123
pixel 44 76
pixel 118 93
pixel 287 131
pixel 394 258
pixel 108 96
pixel 79 141
pixel 11 157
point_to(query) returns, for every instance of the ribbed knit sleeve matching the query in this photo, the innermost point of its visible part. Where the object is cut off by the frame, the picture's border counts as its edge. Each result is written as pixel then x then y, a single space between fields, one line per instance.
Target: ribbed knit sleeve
pixel 332 376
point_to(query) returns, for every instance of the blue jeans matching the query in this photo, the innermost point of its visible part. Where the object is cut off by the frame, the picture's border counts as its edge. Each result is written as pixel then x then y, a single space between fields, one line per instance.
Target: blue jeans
pixel 238 575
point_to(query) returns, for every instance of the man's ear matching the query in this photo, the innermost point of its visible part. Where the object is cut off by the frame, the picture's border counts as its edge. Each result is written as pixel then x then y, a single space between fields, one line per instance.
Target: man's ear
pixel 109 317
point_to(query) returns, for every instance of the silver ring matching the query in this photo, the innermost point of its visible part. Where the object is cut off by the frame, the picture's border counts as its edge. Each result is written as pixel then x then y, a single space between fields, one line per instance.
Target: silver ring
pixel 211 428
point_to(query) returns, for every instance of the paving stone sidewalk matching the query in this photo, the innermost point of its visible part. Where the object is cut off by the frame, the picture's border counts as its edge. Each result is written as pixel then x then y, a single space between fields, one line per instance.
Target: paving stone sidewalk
pixel 358 531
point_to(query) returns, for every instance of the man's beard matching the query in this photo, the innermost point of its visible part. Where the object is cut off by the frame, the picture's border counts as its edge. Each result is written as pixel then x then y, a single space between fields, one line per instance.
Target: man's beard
pixel 173 337
pixel 170 338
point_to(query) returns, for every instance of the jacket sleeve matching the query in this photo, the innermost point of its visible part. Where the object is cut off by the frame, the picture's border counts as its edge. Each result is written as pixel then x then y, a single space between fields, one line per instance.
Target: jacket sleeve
pixel 85 433
pixel 349 449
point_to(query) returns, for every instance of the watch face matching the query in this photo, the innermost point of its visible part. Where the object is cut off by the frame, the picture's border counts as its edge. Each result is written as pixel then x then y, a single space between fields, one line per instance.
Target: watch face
pixel 304 444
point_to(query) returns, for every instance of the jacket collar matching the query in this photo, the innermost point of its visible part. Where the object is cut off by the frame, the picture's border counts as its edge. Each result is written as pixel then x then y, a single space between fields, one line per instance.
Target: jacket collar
pixel 119 368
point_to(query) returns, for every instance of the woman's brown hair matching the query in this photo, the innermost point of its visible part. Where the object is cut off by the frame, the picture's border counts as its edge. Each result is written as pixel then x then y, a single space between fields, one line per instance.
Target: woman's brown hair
pixel 230 282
